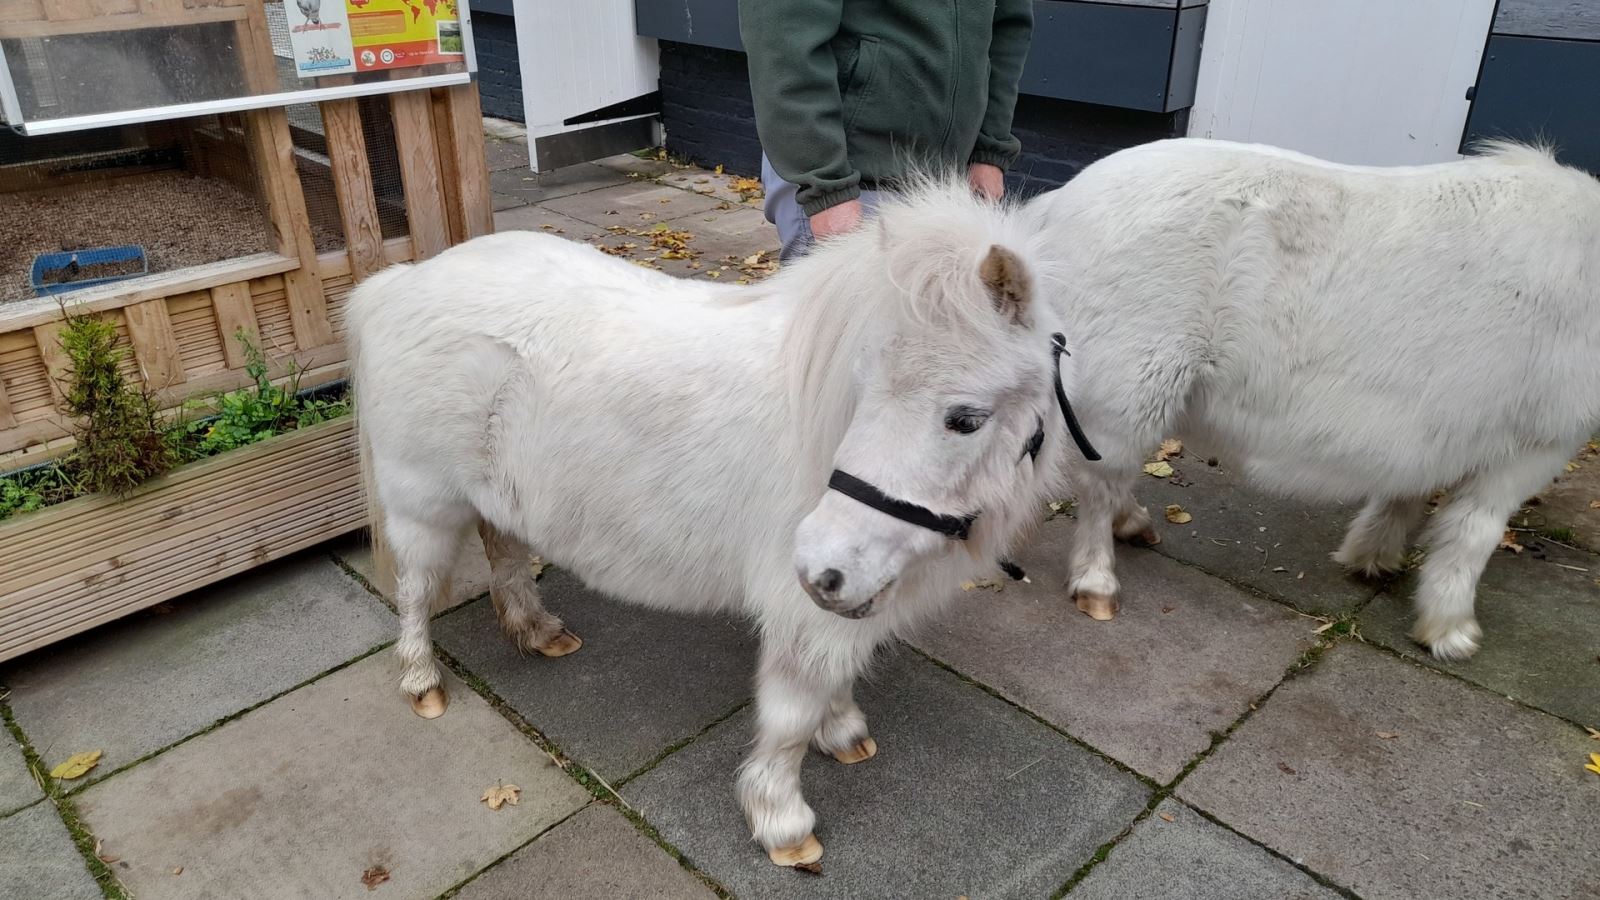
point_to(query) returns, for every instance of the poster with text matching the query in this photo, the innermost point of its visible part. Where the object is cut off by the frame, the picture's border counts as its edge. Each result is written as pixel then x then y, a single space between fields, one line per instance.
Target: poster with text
pixel 395 34
pixel 320 37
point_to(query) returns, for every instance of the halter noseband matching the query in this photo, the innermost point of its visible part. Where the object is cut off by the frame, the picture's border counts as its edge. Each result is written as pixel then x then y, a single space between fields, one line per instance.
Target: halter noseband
pixel 960 527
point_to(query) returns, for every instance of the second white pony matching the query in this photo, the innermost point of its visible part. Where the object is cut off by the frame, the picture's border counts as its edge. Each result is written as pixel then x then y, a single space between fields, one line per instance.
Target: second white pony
pixel 1338 332
pixel 673 443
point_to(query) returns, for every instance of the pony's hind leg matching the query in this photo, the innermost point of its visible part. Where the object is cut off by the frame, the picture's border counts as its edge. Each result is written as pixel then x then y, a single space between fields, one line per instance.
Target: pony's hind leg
pixel 514 590
pixel 1461 538
pixel 1376 542
pixel 1101 496
pixel 843 734
pixel 423 552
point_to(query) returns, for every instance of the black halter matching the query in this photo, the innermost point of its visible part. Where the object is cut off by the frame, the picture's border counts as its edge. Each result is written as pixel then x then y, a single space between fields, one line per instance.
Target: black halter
pixel 959 527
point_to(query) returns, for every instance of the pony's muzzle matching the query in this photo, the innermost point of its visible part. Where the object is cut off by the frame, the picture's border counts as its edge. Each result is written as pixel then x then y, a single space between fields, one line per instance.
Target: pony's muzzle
pixel 828 590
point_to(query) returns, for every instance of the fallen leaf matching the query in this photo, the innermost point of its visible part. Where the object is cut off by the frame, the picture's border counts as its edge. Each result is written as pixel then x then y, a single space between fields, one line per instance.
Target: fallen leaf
pixel 1593 734
pixel 1509 542
pixel 1167 609
pixel 1594 763
pixel 538 565
pixel 716 273
pixel 1594 504
pixel 1573 467
pixel 1170 448
pixel 1167 817
pixel 1158 470
pixel 1279 569
pixel 178 870
pixel 502 794
pixel 1284 768
pixel 718 169
pixel 983 584
pixel 1387 735
pixel 814 868
pixel 107 858
pixel 374 876
pixel 1178 516
pixel 77 765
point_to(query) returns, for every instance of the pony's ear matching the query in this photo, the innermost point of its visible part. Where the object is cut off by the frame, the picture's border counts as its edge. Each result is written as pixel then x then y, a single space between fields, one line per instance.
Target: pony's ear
pixel 1004 275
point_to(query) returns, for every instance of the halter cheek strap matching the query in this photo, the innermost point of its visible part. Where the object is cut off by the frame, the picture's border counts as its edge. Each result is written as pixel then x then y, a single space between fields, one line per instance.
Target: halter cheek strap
pixel 1058 346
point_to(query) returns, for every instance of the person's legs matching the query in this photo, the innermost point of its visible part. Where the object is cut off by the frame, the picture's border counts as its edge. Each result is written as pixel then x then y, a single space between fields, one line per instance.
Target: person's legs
pixel 783 211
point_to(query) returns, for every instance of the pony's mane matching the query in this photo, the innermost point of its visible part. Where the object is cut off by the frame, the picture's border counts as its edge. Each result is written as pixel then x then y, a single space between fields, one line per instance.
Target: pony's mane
pixel 914 263
pixel 1541 151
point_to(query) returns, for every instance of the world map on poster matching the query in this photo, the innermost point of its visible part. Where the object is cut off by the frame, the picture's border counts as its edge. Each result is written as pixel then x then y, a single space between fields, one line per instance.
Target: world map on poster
pixel 341 36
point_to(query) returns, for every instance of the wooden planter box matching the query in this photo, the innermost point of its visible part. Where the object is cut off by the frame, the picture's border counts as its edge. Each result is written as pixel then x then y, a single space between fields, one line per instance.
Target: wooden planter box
pixel 83 563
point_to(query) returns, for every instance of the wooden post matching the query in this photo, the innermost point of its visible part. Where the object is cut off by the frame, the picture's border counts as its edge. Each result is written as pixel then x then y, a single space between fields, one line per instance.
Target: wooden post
pixel 272 146
pixel 419 173
pixel 56 363
pixel 154 345
pixel 458 121
pixel 352 184
pixel 235 313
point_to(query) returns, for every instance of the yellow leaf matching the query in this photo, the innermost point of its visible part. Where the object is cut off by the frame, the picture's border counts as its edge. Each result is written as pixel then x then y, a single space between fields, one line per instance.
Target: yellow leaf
pixel 1158 469
pixel 501 794
pixel 77 765
pixel 714 274
pixel 719 168
pixel 1594 763
pixel 1573 467
pixel 1170 448
pixel 1178 516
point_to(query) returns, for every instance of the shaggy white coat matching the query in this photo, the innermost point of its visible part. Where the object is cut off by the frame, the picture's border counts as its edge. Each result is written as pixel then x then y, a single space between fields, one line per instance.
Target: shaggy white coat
pixel 1337 333
pixel 665 440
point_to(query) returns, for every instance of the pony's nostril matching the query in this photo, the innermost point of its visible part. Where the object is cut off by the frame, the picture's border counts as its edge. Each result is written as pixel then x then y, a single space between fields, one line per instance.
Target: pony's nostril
pixel 830 580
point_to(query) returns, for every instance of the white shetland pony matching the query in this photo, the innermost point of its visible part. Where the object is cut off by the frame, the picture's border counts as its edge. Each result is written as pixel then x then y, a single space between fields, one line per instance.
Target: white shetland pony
pixel 671 442
pixel 1340 333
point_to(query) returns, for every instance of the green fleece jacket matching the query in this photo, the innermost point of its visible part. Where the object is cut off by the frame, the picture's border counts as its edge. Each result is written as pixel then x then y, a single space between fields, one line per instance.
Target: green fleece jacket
pixel 850 93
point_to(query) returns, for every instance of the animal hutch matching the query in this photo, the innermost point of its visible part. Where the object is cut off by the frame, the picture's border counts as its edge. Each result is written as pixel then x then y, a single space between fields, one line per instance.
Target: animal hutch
pixel 187 169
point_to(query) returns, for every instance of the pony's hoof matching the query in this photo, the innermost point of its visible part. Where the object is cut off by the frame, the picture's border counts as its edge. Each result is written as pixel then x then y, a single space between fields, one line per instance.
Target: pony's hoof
pixel 867 749
pixel 1100 607
pixel 431 703
pixel 1452 643
pixel 804 853
pixel 1145 538
pixel 560 645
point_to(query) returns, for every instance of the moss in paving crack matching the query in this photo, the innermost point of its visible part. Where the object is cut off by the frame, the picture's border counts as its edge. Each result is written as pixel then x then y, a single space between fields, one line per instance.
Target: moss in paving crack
pixel 675 747
pixel 67 810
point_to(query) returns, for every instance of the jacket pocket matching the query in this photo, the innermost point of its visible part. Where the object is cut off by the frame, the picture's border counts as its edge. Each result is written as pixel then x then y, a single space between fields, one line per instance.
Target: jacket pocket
pixel 863 77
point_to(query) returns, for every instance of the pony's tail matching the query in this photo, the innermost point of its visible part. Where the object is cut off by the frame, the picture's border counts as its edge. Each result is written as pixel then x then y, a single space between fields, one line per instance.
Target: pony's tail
pixel 366 302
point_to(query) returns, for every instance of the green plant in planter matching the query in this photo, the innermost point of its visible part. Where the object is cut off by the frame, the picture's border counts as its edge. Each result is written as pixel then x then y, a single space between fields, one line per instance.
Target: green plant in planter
pixel 260 411
pixel 121 440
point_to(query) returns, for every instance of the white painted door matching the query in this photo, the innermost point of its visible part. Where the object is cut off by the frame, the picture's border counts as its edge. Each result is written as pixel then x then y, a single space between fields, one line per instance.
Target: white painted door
pixel 579 57
pixel 1370 82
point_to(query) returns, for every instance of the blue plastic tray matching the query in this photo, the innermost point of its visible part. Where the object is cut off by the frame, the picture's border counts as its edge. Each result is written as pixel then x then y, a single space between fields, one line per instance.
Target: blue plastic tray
pixel 45 263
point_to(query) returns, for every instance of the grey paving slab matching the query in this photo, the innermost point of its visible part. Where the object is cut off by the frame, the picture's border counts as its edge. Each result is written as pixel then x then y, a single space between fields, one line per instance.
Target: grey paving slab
pixel 1189 858
pixel 503 154
pixel 523 186
pixel 629 164
pixel 17 787
pixel 1541 620
pixel 736 233
pixel 643 680
pixel 1148 688
pixel 300 797
pixel 468 579
pixel 1395 781
pixel 633 205
pixel 1569 502
pixel 595 855
pixel 140 684
pixel 38 860
pixel 967 796
pixel 537 218
pixel 712 184
pixel 1246 536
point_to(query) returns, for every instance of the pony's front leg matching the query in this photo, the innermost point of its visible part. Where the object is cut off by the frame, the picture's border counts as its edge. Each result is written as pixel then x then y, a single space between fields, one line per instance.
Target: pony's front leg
pixel 1101 497
pixel 792 700
pixel 843 734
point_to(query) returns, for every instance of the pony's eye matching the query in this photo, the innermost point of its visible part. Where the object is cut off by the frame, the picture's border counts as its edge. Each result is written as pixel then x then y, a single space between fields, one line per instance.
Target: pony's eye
pixel 965 419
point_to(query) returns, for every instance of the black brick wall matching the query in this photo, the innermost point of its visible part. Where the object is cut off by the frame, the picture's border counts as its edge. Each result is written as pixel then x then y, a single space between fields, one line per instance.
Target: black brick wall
pixel 494 38
pixel 707 114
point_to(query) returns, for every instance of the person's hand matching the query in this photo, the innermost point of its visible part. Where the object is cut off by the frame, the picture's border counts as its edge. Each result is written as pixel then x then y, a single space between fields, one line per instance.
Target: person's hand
pixel 836 219
pixel 988 181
